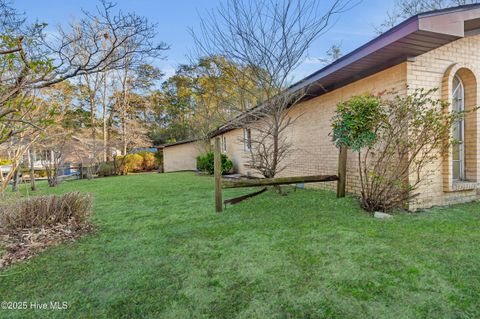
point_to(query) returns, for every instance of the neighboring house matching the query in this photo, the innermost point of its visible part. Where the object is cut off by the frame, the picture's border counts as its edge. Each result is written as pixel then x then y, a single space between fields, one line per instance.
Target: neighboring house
pixel 182 156
pixel 438 49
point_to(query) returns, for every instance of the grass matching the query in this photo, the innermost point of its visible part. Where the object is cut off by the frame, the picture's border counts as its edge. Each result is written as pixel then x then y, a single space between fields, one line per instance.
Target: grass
pixel 161 252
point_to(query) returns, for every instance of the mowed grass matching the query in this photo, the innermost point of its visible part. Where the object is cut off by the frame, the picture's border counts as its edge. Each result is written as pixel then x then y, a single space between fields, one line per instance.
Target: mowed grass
pixel 161 252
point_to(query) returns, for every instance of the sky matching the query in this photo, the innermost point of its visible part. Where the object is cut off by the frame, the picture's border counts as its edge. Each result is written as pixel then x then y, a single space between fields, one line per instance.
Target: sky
pixel 174 18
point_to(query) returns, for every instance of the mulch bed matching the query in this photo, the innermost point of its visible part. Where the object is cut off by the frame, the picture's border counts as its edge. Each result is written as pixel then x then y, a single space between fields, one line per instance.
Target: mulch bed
pixel 23 244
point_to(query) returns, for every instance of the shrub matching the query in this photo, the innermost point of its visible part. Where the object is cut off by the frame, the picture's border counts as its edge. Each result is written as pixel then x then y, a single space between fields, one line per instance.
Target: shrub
pixel 149 161
pixel 206 163
pixel 128 163
pixel 159 158
pixel 119 164
pixel 41 211
pixel 134 162
pixel 41 173
pixel 355 122
pixel 396 140
pixel 5 161
pixel 106 169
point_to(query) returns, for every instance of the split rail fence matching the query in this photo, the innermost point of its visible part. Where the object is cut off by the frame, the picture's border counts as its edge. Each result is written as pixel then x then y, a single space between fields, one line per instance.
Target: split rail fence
pixel 219 184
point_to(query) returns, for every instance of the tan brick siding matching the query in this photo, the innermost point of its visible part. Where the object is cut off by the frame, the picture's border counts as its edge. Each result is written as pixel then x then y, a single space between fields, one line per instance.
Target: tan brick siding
pixel 314 153
pixel 313 150
pixel 182 157
pixel 428 71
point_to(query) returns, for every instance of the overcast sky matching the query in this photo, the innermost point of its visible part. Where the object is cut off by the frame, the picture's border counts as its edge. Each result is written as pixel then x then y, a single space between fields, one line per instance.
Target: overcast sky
pixel 175 17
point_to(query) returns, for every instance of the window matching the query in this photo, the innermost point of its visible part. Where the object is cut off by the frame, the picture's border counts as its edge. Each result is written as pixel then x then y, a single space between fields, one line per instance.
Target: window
pixel 458 152
pixel 247 140
pixel 224 144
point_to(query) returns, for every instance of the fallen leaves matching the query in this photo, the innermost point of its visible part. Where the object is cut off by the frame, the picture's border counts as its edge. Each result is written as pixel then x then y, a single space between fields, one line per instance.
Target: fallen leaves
pixel 22 244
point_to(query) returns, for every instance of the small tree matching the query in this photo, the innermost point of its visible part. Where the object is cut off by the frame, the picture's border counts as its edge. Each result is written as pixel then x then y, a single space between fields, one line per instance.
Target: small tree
pixel 396 140
pixel 54 146
pixel 271 39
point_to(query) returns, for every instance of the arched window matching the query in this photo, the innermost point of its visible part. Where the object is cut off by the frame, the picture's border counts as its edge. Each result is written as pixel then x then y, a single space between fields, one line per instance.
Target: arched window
pixel 458 154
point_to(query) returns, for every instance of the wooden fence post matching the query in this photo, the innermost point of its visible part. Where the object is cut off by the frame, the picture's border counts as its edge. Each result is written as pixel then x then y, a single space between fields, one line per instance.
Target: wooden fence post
pixel 218 176
pixel 342 172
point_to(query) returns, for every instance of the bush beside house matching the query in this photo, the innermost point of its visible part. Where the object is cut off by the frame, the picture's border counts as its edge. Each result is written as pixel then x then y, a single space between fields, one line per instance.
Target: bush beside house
pixel 206 164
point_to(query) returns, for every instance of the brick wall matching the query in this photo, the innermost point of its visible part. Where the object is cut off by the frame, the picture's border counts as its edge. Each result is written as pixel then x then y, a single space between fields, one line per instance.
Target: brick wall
pixel 313 151
pixel 182 157
pixel 436 69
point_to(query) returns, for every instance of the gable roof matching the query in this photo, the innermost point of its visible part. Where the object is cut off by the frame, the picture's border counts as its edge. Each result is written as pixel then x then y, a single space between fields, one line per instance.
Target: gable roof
pixel 415 36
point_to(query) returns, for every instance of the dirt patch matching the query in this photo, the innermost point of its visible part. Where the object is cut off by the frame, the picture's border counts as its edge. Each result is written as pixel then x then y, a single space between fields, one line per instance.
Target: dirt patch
pixel 22 244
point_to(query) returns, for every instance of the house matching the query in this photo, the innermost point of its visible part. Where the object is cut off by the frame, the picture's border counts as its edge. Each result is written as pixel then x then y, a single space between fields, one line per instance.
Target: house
pixel 437 49
pixel 182 156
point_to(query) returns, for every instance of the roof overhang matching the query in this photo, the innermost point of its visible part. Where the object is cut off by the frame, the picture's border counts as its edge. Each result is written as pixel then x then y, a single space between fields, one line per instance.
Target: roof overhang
pixel 413 37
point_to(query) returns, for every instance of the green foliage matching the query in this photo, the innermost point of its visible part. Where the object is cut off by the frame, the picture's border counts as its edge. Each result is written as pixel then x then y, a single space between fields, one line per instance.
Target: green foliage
pixel 106 169
pixel 199 97
pixel 206 163
pixel 159 158
pixel 355 122
pixel 394 137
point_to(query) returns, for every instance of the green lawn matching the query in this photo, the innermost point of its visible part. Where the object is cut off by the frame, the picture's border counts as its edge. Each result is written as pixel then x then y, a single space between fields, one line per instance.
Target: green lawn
pixel 161 252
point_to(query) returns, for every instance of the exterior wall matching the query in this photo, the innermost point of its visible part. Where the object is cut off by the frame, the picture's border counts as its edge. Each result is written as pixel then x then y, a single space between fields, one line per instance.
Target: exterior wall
pixel 313 151
pixel 236 152
pixel 182 157
pixel 435 69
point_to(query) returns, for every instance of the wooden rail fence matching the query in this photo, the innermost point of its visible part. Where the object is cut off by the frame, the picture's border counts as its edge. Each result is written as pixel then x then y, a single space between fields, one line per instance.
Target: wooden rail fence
pixel 219 184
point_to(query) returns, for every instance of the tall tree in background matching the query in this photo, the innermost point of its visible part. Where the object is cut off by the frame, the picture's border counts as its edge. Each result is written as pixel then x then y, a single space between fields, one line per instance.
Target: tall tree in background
pixel 200 97
pixel 30 61
pixel 271 38
pixel 404 9
pixel 90 87
pixel 132 104
pixel 173 111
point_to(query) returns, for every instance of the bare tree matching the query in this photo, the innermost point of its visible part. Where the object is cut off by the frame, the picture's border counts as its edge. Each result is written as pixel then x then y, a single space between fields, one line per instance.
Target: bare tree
pixel 30 61
pixel 104 116
pixel 26 134
pixel 136 76
pixel 31 156
pixel 76 52
pixel 271 38
pixel 53 159
pixel 404 9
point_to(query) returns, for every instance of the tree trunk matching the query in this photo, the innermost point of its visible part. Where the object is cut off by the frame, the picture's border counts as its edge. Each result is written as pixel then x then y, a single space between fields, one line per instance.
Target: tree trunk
pixel 109 137
pixel 342 172
pixel 104 117
pixel 33 186
pixel 16 178
pixel 92 124
pixel 124 108
pixel 124 134
pixel 274 155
